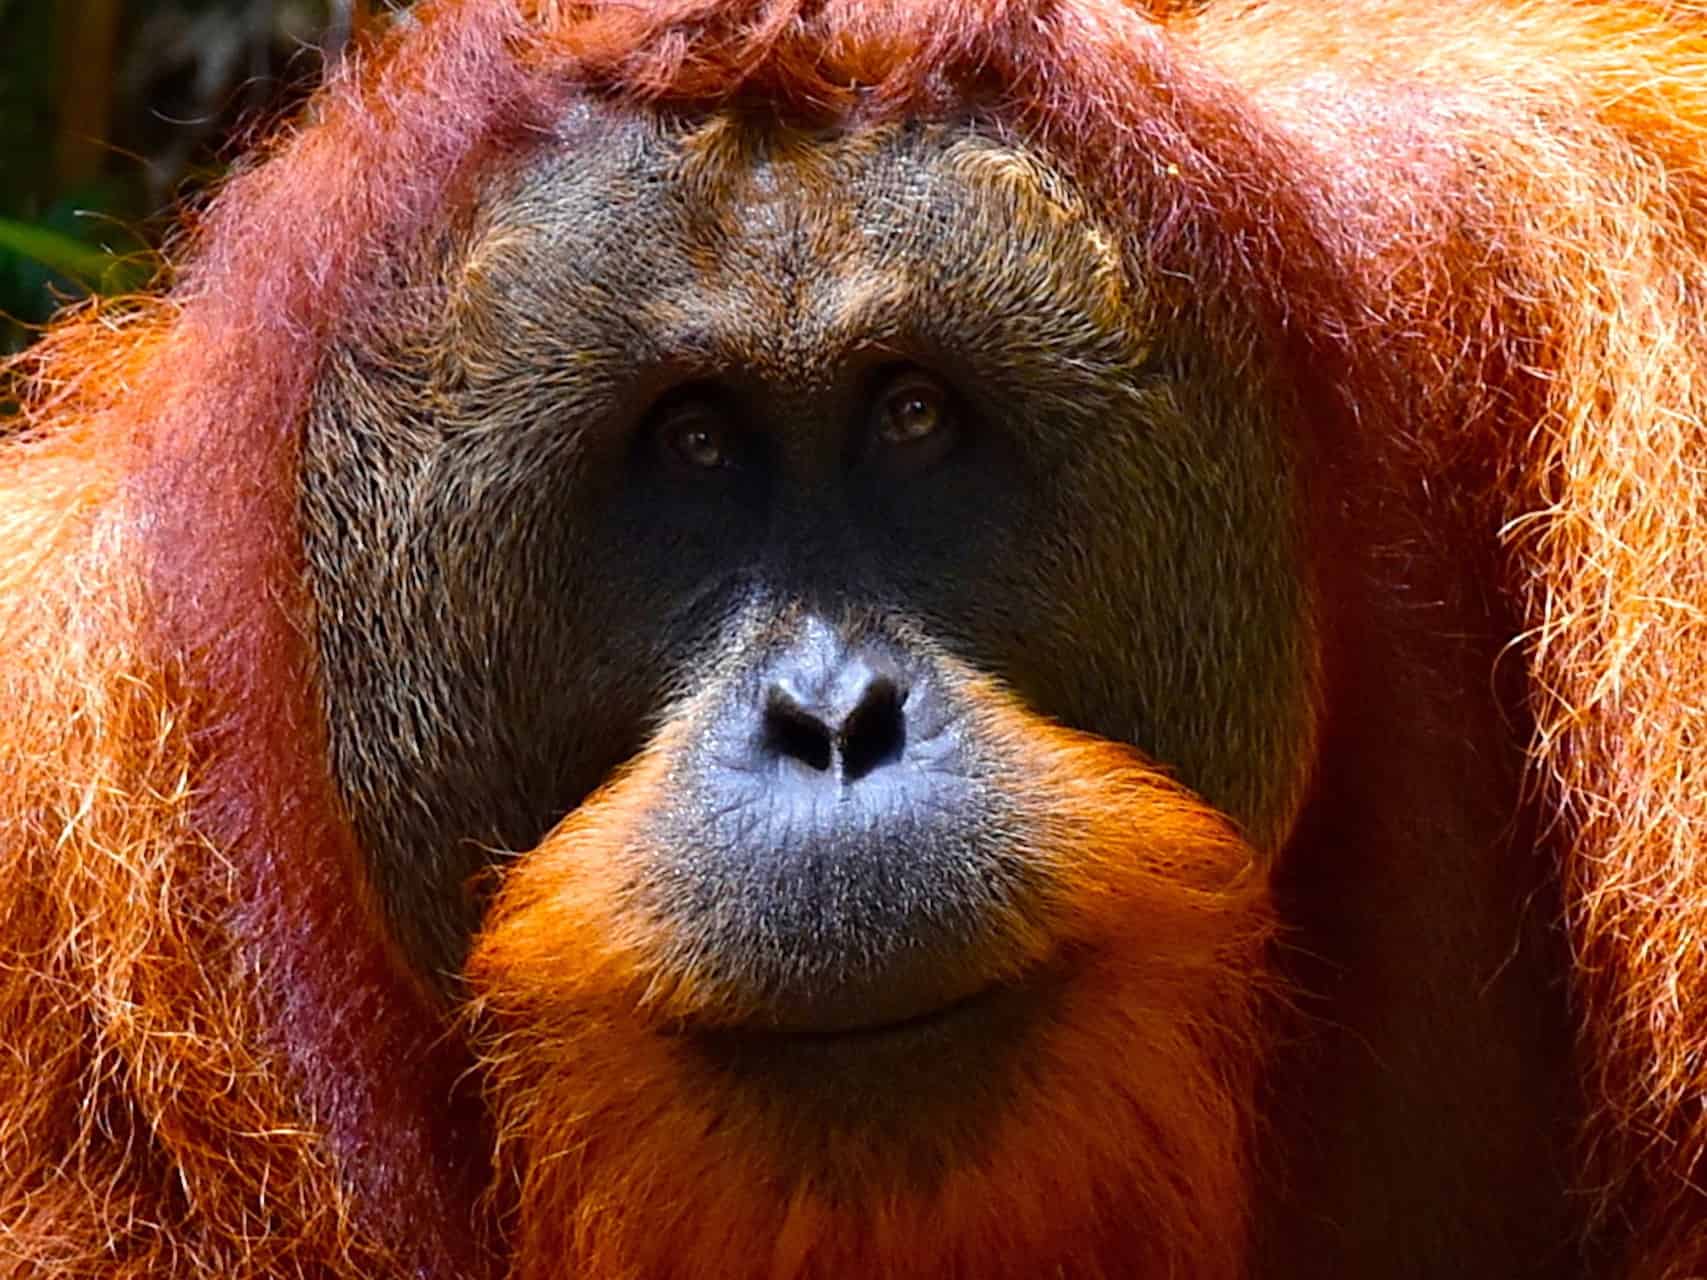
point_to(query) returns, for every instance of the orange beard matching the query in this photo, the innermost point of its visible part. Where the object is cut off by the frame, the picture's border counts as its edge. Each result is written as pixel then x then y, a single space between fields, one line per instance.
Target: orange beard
pixel 1090 1120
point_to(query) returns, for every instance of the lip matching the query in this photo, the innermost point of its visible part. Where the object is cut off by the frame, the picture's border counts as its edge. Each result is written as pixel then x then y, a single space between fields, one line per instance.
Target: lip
pixel 970 1031
pixel 945 1020
pixel 912 1097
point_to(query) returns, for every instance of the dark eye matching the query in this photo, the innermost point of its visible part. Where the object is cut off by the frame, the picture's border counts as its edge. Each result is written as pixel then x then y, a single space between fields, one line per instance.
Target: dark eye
pixel 698 438
pixel 913 408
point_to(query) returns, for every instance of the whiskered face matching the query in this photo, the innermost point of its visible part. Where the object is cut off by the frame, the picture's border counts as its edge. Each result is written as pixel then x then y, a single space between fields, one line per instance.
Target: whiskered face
pixel 799 564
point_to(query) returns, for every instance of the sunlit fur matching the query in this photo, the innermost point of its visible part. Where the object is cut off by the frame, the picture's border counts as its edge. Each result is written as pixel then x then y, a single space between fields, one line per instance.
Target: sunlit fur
pixel 1120 1150
pixel 147 1129
pixel 1476 228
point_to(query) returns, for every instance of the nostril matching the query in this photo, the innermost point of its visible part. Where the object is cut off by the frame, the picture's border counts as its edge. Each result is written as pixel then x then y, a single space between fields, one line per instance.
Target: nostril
pixel 874 732
pixel 869 734
pixel 795 733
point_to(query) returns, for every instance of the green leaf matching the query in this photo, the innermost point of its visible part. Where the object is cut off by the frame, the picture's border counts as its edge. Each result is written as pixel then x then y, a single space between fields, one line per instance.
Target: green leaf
pixel 94 268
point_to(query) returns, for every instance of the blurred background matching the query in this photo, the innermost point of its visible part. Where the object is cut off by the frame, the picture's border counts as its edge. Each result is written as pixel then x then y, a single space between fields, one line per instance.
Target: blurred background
pixel 112 112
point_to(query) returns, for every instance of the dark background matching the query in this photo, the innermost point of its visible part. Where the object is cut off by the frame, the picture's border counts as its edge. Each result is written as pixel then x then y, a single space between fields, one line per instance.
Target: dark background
pixel 114 113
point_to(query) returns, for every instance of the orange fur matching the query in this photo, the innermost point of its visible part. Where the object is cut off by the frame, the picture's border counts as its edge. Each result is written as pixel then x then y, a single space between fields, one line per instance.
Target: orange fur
pixel 1472 241
pixel 1122 1152
pixel 145 1120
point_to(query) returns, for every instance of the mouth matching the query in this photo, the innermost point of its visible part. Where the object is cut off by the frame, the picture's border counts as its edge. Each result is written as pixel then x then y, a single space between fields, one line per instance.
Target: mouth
pixel 925 1058
pixel 899 1103
pixel 957 1017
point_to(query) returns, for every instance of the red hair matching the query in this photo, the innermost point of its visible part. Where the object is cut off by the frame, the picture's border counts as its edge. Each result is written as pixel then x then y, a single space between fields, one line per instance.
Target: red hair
pixel 1467 249
pixel 1122 1149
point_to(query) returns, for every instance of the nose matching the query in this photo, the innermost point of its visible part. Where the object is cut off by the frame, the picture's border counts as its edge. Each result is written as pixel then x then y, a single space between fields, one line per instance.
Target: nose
pixel 840 872
pixel 834 707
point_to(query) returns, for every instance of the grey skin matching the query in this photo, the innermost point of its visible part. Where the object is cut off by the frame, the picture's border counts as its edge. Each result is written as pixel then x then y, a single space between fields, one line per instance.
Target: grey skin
pixel 521 569
pixel 520 576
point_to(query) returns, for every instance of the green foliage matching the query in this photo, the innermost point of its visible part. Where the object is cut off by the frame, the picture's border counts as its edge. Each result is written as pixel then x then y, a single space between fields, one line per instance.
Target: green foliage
pixel 98 269
pixel 113 111
pixel 70 250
